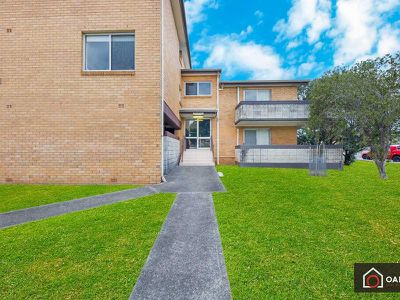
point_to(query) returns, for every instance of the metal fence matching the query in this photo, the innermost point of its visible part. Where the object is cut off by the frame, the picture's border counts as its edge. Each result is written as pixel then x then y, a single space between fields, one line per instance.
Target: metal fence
pixel 272 110
pixel 286 156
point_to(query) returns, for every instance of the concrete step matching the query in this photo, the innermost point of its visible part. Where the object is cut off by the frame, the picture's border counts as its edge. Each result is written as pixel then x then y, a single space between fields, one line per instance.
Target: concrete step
pixel 198 157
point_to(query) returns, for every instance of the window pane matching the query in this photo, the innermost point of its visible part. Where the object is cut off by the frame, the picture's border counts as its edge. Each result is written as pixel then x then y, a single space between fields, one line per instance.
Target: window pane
pixel 204 88
pixel 250 137
pixel 191 128
pixel 262 137
pixel 191 88
pixel 204 143
pixel 264 95
pixel 97 52
pixel 250 95
pixel 122 52
pixel 204 128
pixel 191 143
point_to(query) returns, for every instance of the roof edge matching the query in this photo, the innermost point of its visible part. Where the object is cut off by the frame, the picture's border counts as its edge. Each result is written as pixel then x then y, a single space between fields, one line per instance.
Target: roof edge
pixel 201 71
pixel 182 4
pixel 263 82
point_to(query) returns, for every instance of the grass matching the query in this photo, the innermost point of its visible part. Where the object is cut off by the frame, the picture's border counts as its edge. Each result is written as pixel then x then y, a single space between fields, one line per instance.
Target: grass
pixel 19 196
pixel 93 254
pixel 287 235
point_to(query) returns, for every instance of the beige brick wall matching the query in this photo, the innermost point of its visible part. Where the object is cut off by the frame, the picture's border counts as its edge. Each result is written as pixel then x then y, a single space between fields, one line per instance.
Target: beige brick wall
pixel 172 64
pixel 228 131
pixel 60 126
pixel 278 93
pixel 227 104
pixel 199 101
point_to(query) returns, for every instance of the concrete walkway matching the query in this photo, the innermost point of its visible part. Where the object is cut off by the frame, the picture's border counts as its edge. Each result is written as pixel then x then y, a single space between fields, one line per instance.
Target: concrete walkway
pixel 181 179
pixel 186 261
pixel 191 179
pixel 50 210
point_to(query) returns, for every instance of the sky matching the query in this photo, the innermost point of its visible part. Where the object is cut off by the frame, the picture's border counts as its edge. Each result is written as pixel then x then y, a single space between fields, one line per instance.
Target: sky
pixel 289 39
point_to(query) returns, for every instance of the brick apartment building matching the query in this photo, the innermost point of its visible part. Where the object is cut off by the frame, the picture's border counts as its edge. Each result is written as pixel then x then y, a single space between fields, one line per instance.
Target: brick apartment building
pixel 101 92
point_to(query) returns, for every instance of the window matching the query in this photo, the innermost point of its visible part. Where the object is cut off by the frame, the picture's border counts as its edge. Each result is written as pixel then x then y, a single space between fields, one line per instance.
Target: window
pixel 109 52
pixel 259 136
pixel 257 95
pixel 198 88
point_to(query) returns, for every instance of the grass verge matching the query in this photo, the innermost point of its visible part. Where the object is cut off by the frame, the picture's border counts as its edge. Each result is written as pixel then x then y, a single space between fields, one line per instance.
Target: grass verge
pixel 93 254
pixel 287 235
pixel 19 196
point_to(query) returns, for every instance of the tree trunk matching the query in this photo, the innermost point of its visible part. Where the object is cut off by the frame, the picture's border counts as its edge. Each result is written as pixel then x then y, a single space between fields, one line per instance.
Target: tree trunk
pixel 381 164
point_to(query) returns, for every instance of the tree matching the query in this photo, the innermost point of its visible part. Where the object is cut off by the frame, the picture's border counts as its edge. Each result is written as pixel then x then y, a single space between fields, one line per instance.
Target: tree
pixel 374 91
pixel 332 120
pixel 358 107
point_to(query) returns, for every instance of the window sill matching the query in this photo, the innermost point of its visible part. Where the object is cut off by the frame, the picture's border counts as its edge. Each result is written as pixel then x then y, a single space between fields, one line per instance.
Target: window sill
pixel 198 96
pixel 108 73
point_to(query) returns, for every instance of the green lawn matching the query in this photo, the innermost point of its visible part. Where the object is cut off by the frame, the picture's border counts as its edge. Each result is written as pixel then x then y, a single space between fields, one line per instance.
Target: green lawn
pixel 93 254
pixel 287 235
pixel 18 196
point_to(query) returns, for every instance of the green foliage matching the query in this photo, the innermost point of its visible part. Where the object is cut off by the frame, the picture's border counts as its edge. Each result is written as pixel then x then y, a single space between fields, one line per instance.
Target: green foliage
pixel 93 254
pixel 358 107
pixel 19 196
pixel 305 136
pixel 287 235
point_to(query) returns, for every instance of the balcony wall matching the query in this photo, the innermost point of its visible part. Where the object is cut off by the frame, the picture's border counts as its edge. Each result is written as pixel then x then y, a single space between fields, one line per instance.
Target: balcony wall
pixel 286 156
pixel 272 113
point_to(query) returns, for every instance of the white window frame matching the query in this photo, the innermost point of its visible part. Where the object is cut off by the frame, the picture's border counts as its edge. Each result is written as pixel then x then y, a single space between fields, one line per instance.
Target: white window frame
pixel 109 51
pixel 269 91
pixel 198 83
pixel 269 135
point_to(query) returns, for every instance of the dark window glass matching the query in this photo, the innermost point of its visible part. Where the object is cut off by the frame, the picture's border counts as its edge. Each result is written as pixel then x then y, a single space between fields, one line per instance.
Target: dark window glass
pixel 191 88
pixel 204 128
pixel 122 52
pixel 97 52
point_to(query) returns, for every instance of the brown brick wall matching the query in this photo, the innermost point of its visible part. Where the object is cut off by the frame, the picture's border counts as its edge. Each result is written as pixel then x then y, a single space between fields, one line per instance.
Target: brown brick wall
pixel 60 126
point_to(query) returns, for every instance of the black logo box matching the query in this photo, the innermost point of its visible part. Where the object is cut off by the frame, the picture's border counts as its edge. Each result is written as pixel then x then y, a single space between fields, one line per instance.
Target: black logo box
pixel 390 277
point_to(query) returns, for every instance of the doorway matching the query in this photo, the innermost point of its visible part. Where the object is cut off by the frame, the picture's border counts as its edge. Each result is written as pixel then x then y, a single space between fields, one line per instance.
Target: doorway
pixel 198 134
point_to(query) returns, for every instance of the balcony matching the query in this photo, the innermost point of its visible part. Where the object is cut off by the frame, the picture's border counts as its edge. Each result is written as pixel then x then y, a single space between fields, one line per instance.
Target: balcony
pixel 272 113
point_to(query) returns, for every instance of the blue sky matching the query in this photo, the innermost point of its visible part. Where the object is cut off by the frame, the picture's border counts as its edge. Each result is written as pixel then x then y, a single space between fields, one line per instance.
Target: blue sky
pixel 289 39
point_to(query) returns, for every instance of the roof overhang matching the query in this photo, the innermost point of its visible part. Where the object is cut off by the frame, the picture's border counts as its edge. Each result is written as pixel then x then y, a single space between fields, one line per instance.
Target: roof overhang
pixel 188 113
pixel 260 83
pixel 200 72
pixel 178 8
pixel 271 123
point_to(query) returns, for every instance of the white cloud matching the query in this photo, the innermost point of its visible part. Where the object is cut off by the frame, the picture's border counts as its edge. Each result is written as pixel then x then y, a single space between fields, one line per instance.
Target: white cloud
pixel 234 54
pixel 260 16
pixel 310 16
pixel 360 27
pixel 195 11
pixel 389 40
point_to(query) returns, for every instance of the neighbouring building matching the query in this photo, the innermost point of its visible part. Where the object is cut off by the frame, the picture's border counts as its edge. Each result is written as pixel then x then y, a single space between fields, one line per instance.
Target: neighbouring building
pixel 104 92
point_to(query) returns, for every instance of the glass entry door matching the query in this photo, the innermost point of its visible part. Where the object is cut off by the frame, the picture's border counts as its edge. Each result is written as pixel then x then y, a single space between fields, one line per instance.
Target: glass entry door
pixel 198 134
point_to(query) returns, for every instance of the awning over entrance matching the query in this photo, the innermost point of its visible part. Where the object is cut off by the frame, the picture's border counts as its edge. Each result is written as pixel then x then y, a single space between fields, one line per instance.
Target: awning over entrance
pixel 188 113
pixel 170 119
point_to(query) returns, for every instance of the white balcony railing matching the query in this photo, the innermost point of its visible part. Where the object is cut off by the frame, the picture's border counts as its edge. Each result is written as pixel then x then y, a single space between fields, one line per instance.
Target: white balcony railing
pixel 272 111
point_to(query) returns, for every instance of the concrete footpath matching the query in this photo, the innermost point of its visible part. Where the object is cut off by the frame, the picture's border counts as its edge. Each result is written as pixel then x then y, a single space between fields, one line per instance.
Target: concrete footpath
pixel 59 208
pixel 186 261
